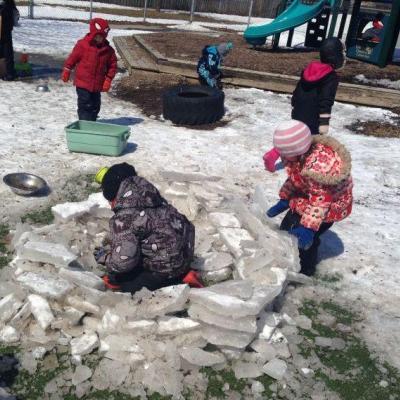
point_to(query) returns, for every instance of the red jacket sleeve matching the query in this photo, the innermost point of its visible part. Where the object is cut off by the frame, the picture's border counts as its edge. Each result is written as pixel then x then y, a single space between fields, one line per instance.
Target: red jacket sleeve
pixel 287 190
pixel 319 203
pixel 112 65
pixel 74 57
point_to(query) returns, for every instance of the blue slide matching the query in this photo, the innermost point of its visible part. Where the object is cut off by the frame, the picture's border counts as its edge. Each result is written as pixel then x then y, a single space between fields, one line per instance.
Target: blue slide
pixel 298 13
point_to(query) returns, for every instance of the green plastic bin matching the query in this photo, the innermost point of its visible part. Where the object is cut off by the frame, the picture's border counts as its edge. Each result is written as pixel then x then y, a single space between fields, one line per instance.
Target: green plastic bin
pixel 97 138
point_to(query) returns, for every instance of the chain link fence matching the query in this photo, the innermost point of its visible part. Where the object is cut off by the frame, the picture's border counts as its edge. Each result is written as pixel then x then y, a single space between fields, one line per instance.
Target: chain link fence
pixel 136 8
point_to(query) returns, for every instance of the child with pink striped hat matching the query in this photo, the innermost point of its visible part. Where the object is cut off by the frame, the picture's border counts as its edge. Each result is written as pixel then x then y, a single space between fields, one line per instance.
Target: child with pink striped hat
pixel 318 190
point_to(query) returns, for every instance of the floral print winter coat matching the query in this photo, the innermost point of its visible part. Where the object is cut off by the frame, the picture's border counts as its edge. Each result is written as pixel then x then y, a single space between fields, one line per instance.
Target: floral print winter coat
pixel 319 185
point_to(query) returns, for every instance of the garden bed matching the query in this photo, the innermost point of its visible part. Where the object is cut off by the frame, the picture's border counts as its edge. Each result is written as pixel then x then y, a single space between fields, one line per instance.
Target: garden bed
pixel 283 61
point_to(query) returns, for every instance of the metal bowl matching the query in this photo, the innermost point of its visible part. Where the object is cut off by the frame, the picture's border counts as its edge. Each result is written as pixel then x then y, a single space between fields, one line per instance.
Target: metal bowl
pixel 42 88
pixel 25 184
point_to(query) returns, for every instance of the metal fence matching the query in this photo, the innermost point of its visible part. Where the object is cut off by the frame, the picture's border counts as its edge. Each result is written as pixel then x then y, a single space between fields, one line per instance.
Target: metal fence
pixel 260 8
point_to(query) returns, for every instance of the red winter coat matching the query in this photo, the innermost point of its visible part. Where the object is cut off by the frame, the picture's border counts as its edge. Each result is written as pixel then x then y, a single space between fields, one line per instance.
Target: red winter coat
pixel 93 63
pixel 319 186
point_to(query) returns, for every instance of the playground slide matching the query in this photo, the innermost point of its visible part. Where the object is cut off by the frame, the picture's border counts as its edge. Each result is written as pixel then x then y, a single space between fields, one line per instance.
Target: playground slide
pixel 298 13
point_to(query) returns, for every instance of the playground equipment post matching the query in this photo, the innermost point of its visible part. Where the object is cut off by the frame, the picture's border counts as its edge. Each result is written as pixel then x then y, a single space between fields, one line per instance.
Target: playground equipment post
pixel 250 12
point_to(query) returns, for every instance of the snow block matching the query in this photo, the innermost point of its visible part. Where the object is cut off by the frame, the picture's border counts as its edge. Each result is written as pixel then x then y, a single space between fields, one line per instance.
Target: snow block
pixel 84 344
pixel 41 310
pixel 224 220
pixel 46 252
pixel 275 368
pixel 224 337
pixel 236 240
pixel 9 306
pixel 46 285
pixel 215 262
pixel 175 326
pixel 201 358
pixel 82 278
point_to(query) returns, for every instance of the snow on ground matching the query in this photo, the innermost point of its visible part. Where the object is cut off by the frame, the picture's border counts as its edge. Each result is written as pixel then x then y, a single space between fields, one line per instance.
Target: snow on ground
pixel 364 248
pixel 381 82
pixel 55 38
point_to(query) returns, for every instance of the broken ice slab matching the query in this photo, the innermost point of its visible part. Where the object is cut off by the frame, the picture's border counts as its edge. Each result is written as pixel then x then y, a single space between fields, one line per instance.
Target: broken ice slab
pixel 84 344
pixel 41 310
pixel 275 368
pixel 159 377
pixel 188 206
pixel 224 220
pixel 46 252
pixel 162 301
pixel 190 339
pixel 224 337
pixel 126 342
pixel 21 319
pixel 8 334
pixel 141 327
pixel 261 261
pixel 234 239
pixel 177 189
pixel 20 235
pixel 82 278
pixel 110 374
pixel 69 211
pixel 233 306
pixel 177 176
pixel 112 322
pixel 83 305
pixel 72 315
pixel 245 324
pixel 242 289
pixel 214 262
pixel 247 370
pixel 174 325
pixel 9 306
pixel 267 323
pixel 201 358
pixel 82 373
pixel 46 285
pixel 216 276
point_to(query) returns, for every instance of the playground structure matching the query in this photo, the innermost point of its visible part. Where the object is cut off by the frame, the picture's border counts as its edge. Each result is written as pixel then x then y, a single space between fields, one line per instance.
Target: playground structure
pixel 373 34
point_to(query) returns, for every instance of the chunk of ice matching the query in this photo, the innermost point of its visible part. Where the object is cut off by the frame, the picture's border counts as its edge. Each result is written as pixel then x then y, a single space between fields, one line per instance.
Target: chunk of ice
pixel 201 358
pixel 84 344
pixel 174 325
pixel 275 368
pixel 237 240
pixel 41 310
pixel 46 252
pixel 82 278
pixel 45 284
pixel 225 220
pixel 9 306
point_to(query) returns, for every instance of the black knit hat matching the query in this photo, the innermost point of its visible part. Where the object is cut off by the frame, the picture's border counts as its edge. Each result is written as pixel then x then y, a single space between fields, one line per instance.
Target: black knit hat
pixel 114 177
pixel 332 52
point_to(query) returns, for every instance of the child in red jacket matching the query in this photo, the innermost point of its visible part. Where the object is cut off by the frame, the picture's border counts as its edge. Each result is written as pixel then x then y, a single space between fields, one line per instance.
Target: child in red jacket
pixel 96 66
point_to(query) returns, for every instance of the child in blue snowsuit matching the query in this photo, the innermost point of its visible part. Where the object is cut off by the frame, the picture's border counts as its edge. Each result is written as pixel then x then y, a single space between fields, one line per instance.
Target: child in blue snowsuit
pixel 209 65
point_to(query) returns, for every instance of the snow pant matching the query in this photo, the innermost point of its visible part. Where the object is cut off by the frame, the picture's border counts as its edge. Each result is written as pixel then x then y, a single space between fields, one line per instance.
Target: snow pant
pixel 203 82
pixel 7 52
pixel 140 278
pixel 309 257
pixel 88 104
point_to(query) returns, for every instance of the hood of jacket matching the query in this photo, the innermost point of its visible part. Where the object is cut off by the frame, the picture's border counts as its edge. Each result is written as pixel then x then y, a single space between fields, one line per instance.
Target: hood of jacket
pixel 209 49
pixel 98 26
pixel 315 72
pixel 333 174
pixel 137 192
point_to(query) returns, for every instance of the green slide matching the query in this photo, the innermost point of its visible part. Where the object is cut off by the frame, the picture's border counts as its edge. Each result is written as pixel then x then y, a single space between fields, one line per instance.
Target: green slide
pixel 298 13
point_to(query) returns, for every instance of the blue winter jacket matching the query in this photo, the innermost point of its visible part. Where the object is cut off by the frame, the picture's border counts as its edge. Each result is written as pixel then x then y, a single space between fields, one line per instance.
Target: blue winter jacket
pixel 209 65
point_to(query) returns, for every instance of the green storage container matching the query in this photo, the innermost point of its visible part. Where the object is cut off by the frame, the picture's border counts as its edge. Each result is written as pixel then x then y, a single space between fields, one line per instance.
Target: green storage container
pixel 97 138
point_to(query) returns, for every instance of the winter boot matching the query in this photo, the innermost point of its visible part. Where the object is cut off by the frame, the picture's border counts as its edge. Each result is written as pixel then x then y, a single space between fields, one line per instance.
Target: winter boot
pixel 193 279
pixel 270 158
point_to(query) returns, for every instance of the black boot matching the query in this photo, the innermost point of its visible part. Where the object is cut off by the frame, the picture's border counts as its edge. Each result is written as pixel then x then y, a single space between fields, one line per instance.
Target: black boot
pixel 309 258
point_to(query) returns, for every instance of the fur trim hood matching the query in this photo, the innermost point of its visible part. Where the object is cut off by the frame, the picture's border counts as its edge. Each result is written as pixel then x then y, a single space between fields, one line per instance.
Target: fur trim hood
pixel 329 166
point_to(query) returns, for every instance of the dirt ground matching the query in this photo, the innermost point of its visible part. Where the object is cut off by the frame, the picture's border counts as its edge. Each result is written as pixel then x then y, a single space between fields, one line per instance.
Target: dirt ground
pixel 145 89
pixel 283 61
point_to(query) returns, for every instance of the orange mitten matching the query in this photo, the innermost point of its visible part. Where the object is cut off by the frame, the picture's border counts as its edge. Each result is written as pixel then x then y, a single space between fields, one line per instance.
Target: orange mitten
pixel 65 75
pixel 106 85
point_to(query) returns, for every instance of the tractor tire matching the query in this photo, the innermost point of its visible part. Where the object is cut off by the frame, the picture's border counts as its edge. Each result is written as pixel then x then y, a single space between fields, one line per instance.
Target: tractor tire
pixel 193 105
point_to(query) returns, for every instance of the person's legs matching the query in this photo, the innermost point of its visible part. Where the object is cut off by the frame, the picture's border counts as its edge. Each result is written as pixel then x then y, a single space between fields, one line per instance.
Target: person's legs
pixel 309 257
pixel 96 101
pixel 8 53
pixel 85 105
pixel 148 280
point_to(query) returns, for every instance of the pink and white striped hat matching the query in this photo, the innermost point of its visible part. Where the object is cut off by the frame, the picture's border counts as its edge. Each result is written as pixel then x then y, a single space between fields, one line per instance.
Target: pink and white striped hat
pixel 292 138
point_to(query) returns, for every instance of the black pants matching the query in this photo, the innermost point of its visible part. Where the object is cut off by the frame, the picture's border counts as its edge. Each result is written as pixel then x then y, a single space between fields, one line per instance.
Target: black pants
pixel 134 281
pixel 88 104
pixel 309 257
pixel 7 52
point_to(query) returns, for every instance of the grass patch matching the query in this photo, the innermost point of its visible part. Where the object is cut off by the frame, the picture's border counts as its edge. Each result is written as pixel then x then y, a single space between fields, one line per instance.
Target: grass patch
pixel 376 128
pixel 42 216
pixel 4 253
pixel 353 373
pixel 330 278
pixel 79 187
pixel 8 350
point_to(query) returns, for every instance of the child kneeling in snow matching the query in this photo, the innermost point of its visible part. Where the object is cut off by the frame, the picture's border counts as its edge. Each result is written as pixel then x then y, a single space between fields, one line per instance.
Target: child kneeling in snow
pixel 152 244
pixel 96 66
pixel 209 65
pixel 318 191
pixel 315 93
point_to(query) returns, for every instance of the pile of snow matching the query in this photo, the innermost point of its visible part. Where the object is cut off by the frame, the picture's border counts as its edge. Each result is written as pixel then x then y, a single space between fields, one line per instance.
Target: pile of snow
pixel 378 82
pixel 54 295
